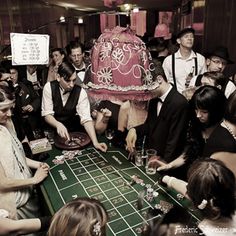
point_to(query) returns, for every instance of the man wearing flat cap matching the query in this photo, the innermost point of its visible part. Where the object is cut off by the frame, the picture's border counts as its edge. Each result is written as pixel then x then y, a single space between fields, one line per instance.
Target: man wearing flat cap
pixel 185 63
pixel 216 61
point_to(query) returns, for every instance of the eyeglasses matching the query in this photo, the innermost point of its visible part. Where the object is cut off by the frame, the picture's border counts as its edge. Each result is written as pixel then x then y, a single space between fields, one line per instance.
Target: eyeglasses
pixel 218 62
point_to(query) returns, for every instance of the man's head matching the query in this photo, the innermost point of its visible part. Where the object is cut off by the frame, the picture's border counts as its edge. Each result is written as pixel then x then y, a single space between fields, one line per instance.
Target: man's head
pixel 218 59
pixel 31 68
pixel 213 78
pixel 75 51
pixel 185 38
pixel 160 79
pixel 66 76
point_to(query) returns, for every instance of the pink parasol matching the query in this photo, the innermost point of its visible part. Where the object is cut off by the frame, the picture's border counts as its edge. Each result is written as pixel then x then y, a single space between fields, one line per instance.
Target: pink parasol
pixel 121 67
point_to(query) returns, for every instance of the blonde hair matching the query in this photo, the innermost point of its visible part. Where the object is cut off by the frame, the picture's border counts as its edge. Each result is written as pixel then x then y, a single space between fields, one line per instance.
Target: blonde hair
pixel 79 217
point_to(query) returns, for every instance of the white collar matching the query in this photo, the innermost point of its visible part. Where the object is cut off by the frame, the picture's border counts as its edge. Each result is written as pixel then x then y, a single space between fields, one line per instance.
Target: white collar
pixel 163 97
pixel 192 55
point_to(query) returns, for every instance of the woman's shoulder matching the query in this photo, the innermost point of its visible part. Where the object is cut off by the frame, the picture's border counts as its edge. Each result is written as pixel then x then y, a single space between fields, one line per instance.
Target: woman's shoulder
pixel 4 134
pixel 3 130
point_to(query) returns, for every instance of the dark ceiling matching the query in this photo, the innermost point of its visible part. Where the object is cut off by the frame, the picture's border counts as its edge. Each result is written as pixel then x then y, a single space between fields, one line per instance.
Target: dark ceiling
pixel 98 5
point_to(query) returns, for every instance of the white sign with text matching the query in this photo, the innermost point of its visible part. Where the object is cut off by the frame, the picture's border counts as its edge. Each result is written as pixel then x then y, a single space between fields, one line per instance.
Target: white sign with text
pixel 29 49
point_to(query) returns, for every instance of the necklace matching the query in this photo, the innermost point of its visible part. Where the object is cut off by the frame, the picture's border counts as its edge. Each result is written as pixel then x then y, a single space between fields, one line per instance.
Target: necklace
pixel 230 130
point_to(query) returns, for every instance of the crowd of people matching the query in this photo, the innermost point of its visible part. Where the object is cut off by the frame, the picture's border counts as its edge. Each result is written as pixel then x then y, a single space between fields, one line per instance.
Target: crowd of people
pixel 190 122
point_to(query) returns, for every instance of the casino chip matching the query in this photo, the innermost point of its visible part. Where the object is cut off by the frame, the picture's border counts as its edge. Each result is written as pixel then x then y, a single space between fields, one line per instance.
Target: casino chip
pixel 155 194
pixel 148 186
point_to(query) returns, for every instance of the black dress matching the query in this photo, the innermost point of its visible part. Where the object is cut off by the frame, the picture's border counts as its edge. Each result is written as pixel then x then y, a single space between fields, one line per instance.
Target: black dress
pixel 220 140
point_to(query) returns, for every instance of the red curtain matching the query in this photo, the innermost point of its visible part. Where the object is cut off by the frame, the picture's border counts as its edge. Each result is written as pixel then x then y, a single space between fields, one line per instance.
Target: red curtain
pixel 138 22
pixel 107 21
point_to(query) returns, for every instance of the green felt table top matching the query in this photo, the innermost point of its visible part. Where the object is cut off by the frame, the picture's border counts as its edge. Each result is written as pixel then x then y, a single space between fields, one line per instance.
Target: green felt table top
pixel 107 177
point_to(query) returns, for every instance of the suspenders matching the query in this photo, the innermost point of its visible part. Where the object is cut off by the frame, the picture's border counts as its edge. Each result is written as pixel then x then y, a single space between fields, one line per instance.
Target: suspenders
pixel 173 68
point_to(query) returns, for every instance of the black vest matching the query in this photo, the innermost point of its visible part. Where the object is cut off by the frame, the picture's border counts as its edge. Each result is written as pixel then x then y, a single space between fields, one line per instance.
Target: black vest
pixel 66 114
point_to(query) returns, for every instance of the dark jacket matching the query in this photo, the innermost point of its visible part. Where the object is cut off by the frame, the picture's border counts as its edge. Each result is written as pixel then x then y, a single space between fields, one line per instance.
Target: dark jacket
pixel 166 132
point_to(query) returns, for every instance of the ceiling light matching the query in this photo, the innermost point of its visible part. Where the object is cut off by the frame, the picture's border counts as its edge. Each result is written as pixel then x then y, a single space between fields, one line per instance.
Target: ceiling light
pixel 127 6
pixel 62 19
pixel 135 10
pixel 80 21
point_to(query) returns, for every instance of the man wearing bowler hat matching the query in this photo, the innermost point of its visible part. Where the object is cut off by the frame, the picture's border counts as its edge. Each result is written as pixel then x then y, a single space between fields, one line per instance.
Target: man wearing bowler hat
pixel 216 61
pixel 181 66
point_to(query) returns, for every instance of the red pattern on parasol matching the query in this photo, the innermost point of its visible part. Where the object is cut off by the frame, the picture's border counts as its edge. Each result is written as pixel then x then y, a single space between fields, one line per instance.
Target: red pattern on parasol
pixel 121 67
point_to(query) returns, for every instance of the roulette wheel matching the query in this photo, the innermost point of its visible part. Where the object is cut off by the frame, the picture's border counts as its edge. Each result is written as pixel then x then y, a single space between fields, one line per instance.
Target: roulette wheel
pixel 77 140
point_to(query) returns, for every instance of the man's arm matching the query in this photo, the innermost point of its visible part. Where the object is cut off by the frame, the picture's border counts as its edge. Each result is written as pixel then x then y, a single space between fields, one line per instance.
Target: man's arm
pixel 61 129
pixel 177 184
pixel 89 127
pixel 167 67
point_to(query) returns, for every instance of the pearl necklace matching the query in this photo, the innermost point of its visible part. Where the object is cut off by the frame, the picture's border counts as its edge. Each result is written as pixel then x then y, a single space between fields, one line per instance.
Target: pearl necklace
pixel 230 130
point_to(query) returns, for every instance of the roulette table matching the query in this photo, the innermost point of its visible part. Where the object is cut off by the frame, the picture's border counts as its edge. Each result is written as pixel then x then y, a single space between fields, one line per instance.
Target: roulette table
pixel 77 140
pixel 111 178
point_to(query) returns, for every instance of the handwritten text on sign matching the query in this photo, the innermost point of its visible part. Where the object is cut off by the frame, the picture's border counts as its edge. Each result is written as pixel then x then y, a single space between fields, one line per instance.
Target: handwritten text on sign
pixel 29 49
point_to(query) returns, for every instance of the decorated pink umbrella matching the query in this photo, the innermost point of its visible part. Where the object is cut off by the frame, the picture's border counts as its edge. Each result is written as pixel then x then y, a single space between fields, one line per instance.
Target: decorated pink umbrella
pixel 121 67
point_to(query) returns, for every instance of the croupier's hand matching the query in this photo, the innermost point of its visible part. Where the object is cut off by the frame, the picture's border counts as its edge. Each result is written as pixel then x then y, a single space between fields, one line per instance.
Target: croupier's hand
pixel 62 131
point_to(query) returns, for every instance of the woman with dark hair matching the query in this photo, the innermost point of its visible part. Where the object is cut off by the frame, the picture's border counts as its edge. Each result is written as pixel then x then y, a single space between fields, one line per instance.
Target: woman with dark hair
pixel 58 55
pixel 81 216
pixel 65 105
pixel 223 138
pixel 211 187
pixel 207 108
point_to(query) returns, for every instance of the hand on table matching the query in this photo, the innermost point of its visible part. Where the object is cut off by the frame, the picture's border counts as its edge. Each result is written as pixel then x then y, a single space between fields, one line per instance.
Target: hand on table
pixel 101 146
pixel 131 139
pixel 40 174
pixel 45 166
pixel 62 131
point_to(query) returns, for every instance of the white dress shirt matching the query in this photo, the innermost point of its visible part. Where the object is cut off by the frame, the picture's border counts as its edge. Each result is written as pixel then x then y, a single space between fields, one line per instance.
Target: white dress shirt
pixel 82 107
pixel 162 98
pixel 183 67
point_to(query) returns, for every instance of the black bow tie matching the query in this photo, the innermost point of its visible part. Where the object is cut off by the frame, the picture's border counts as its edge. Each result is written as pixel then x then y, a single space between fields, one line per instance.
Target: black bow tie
pixel 77 71
pixel 159 100
pixel 66 92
